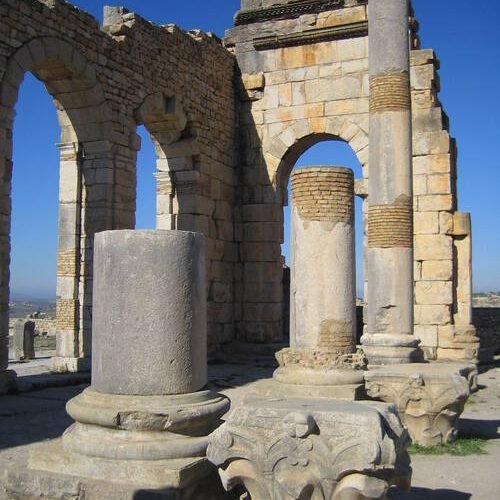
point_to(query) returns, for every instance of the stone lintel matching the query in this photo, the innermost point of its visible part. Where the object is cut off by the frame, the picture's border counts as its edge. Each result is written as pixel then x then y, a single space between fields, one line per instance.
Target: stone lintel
pixel 429 397
pixel 352 30
pixel 290 10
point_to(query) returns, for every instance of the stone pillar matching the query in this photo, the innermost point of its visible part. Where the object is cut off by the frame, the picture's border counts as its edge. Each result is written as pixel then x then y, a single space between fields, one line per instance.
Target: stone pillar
pixel 323 298
pixel 165 218
pixel 146 417
pixel 389 334
pixel 68 337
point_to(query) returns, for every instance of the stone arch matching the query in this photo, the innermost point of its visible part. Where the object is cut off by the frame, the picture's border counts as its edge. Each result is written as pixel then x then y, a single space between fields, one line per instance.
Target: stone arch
pixel 286 148
pixel 179 188
pixel 263 224
pixel 86 193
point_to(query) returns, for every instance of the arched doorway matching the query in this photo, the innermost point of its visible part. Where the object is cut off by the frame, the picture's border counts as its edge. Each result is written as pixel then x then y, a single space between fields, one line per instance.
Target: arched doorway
pixel 85 186
pixel 330 153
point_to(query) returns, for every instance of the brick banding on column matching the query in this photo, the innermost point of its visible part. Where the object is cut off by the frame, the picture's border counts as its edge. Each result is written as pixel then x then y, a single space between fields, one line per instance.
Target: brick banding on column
pixel 324 194
pixel 66 314
pixel 390 226
pixel 390 92
pixel 67 262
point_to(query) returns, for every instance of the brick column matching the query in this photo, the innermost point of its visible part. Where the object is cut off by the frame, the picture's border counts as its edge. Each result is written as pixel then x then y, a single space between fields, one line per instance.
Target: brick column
pixel 389 336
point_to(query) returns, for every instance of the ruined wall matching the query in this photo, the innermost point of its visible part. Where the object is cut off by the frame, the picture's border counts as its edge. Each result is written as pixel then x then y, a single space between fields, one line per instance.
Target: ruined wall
pixel 105 82
pixel 304 79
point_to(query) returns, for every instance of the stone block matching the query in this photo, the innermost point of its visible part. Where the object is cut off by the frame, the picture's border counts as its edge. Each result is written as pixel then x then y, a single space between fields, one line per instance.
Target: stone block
pixel 419 185
pixel 260 252
pixel 432 314
pixel 435 202
pixel 341 17
pixel 433 247
pixel 446 223
pixel 439 184
pixel 424 99
pixel 422 76
pixel 429 119
pixel 428 334
pixel 433 292
pixel 262 442
pixel 332 89
pixel 426 223
pixel 431 143
pixel 432 164
pixel 437 270
pixel 255 81
pixel 421 57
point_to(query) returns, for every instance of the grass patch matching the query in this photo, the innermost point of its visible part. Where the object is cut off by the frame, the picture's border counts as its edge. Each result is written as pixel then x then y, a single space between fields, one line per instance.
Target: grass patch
pixel 461 447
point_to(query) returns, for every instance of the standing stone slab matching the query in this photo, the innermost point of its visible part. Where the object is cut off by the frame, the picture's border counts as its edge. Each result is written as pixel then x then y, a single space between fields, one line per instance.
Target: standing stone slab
pixel 23 347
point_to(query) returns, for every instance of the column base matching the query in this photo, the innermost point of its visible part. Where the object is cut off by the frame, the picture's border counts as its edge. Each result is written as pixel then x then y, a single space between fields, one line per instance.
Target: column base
pixel 61 364
pixel 304 448
pixel 316 372
pixel 56 474
pixel 7 381
pixel 153 428
pixel 391 349
pixel 429 397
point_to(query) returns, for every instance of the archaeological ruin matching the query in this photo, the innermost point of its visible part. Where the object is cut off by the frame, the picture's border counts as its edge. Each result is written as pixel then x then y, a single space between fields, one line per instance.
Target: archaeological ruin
pixel 229 119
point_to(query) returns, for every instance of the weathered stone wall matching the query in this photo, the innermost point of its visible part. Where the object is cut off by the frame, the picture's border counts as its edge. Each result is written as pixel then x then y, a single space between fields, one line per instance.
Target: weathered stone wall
pixel 304 79
pixel 223 163
pixel 105 82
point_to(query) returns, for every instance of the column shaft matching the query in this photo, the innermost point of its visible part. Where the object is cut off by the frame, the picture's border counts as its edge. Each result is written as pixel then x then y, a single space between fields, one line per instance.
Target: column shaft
pixel 389 337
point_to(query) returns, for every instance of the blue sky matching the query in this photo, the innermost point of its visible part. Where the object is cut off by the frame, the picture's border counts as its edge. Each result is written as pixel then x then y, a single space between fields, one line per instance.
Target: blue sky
pixel 466 41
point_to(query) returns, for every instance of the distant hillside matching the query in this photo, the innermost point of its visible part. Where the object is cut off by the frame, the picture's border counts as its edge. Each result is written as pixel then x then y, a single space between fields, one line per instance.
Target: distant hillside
pixel 486 299
pixel 21 308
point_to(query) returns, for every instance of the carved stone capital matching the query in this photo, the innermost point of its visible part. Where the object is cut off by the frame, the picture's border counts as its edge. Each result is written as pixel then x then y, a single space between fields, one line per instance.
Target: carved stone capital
pixel 304 449
pixel 429 397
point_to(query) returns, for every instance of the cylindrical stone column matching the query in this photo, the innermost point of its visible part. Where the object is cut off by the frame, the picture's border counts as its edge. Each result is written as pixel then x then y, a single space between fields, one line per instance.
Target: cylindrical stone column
pixel 323 279
pixel 149 361
pixel 389 334
pixel 149 315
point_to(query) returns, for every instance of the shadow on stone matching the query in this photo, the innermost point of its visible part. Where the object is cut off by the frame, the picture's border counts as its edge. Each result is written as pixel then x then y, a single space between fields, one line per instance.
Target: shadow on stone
pixel 477 428
pixel 428 494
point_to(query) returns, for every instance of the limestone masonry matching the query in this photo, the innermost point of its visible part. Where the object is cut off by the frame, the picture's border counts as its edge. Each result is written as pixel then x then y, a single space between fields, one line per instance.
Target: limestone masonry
pixel 228 120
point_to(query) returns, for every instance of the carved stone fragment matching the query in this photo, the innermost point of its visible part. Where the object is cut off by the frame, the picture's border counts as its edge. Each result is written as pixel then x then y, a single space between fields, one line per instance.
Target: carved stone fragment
pixel 429 397
pixel 307 449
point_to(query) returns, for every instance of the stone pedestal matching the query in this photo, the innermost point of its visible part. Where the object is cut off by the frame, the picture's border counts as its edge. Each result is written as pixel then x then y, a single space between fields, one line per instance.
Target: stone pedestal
pixel 144 421
pixel 322 349
pixel 429 397
pixel 306 449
